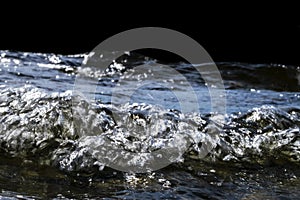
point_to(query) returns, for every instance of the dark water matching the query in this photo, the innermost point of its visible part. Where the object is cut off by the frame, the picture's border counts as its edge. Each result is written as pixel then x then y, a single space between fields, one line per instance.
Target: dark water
pixel 254 155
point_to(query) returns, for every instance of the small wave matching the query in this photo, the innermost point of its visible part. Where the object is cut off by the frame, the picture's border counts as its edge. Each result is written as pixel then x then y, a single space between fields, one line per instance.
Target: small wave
pixel 38 125
pixel 275 77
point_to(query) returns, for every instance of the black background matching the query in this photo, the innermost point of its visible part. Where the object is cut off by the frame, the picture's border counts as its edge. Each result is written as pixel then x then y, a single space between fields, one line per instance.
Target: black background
pixel 227 35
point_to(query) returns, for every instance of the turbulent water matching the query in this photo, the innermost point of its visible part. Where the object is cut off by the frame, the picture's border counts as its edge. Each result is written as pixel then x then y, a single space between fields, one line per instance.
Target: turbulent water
pixel 49 144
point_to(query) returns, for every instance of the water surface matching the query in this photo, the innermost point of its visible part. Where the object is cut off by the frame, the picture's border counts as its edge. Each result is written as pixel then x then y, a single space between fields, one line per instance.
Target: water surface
pixel 255 153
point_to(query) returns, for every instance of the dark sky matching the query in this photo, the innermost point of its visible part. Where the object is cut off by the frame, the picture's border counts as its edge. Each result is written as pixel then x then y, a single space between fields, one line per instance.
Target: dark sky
pixel 226 39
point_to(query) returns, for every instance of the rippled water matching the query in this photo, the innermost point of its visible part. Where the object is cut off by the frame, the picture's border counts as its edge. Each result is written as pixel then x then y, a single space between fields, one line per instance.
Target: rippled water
pixel 254 154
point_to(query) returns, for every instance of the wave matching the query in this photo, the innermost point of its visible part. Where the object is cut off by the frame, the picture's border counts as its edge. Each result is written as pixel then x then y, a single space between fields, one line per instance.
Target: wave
pixel 268 76
pixel 40 127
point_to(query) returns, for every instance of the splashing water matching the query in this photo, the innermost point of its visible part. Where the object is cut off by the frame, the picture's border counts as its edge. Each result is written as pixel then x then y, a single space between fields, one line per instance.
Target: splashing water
pixel 254 154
